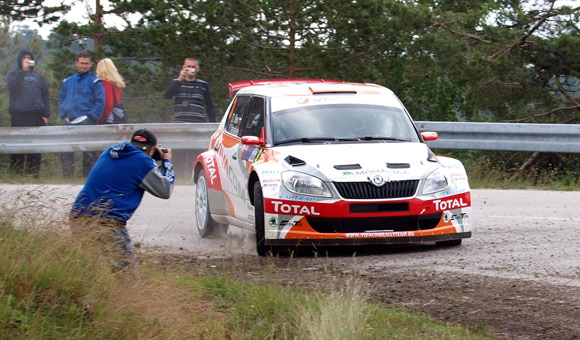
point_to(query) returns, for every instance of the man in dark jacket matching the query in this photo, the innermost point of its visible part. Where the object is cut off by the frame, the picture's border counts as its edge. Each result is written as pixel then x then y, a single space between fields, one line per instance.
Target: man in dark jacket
pixel 115 187
pixel 192 95
pixel 81 101
pixel 29 106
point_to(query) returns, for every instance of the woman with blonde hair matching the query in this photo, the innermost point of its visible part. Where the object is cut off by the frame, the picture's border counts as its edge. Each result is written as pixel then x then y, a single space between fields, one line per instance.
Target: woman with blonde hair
pixel 114 83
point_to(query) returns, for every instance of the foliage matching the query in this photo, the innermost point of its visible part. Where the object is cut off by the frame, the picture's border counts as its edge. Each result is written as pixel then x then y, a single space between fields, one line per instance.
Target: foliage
pixel 448 60
pixel 30 9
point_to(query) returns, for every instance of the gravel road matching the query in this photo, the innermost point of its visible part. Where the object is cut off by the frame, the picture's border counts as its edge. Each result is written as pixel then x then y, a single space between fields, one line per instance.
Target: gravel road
pixel 518 276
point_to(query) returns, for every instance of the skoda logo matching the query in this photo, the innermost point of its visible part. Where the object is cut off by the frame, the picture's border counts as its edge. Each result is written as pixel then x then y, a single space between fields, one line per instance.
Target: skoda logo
pixel 378 180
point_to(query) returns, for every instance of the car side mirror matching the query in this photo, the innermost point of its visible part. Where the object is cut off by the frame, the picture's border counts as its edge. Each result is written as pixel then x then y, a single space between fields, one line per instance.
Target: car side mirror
pixel 251 140
pixel 429 136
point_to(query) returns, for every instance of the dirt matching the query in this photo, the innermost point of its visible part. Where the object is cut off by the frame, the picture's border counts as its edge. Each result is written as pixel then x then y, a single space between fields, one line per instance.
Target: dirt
pixel 503 308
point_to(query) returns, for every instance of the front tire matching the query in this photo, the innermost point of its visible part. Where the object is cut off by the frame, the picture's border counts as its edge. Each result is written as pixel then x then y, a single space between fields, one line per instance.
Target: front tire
pixel 206 226
pixel 259 220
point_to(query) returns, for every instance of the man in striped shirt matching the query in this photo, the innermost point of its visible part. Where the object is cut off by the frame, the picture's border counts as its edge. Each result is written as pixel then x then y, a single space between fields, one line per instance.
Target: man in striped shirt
pixel 192 95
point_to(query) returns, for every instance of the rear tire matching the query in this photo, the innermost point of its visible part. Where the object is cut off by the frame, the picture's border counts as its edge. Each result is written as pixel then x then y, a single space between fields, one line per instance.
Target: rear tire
pixel 450 243
pixel 206 226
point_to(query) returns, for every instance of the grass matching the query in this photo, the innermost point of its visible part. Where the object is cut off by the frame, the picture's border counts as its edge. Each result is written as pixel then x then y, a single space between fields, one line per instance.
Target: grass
pixel 55 287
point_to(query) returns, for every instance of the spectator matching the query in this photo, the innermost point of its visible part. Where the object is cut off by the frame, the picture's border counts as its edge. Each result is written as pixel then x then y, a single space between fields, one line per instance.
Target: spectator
pixel 114 189
pixel 192 95
pixel 114 83
pixel 29 106
pixel 81 101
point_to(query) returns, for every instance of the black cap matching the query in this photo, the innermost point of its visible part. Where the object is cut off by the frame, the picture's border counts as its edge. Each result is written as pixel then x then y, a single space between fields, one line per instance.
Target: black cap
pixel 144 139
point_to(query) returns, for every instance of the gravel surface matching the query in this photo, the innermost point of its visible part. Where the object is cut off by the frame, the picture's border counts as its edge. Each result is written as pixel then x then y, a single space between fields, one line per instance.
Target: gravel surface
pixel 518 277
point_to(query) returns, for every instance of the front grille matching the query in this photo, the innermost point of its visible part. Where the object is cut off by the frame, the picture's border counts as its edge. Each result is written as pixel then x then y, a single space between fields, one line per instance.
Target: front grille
pixel 367 191
pixel 354 225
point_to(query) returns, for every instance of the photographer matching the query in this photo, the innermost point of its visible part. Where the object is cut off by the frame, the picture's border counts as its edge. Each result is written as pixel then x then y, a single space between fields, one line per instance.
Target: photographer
pixel 191 94
pixel 29 106
pixel 114 189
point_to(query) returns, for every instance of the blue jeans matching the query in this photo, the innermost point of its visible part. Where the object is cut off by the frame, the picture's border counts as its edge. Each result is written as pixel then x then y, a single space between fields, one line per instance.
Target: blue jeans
pixel 110 236
pixel 125 246
pixel 89 157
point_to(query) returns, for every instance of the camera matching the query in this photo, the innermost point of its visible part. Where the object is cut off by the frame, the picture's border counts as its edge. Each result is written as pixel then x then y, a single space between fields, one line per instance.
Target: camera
pixel 31 64
pixel 159 156
pixel 191 71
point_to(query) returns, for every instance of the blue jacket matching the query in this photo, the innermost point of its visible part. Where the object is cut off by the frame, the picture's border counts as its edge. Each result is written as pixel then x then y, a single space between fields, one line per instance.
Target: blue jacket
pixel 28 91
pixel 117 182
pixel 82 95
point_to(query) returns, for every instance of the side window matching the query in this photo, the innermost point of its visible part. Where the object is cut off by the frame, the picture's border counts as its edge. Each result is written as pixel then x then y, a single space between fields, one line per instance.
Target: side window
pixel 255 120
pixel 235 116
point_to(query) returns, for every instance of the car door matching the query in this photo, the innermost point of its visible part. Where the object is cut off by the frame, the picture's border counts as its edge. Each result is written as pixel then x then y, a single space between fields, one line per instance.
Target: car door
pixel 252 124
pixel 233 181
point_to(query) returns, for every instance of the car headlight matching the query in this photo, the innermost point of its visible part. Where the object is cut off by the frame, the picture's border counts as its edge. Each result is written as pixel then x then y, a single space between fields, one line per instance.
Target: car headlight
pixel 304 184
pixel 436 181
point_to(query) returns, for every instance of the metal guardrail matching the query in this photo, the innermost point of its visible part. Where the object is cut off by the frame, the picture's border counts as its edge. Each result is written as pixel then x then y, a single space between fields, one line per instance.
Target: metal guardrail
pixel 195 136
pixel 505 136
pixel 50 139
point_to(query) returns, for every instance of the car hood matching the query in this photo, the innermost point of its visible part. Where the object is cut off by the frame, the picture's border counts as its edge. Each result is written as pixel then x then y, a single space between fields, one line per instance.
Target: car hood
pixel 358 162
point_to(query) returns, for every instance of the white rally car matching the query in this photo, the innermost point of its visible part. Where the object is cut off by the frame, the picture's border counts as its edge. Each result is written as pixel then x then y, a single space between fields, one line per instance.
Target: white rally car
pixel 327 163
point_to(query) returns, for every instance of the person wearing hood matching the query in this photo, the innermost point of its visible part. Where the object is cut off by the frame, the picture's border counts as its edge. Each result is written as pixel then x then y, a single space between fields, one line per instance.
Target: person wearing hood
pixel 81 101
pixel 114 190
pixel 29 106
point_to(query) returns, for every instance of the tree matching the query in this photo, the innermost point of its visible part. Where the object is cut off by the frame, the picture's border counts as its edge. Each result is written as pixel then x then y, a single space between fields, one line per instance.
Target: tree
pixel 448 60
pixel 18 10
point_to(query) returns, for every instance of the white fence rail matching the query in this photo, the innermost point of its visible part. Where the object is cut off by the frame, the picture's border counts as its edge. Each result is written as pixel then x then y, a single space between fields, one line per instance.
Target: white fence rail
pixel 195 136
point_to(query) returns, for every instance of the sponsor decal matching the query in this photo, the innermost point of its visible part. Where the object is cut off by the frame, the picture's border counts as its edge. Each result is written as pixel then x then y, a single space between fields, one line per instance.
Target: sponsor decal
pixel 296 209
pixel 376 172
pixel 455 217
pixel 449 204
pixel 211 168
pixel 297 198
pixel 251 153
pixel 459 176
pixel 381 234
pixel 271 181
pixel 318 100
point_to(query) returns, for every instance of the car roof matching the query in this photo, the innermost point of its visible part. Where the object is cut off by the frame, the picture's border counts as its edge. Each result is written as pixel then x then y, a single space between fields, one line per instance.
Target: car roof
pixel 304 87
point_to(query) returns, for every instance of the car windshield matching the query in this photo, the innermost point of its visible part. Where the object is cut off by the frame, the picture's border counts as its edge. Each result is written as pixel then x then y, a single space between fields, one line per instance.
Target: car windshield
pixel 341 122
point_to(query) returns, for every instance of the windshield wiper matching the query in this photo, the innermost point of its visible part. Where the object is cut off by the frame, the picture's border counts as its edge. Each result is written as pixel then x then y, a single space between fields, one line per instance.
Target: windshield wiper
pixel 384 138
pixel 308 140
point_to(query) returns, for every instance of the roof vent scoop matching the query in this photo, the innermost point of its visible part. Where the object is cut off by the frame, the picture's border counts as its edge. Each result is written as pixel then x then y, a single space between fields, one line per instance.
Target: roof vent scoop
pixel 294 161
pixel 398 165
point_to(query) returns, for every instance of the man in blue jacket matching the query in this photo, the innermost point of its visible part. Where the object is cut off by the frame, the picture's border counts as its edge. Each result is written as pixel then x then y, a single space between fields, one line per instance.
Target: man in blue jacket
pixel 81 101
pixel 114 189
pixel 29 106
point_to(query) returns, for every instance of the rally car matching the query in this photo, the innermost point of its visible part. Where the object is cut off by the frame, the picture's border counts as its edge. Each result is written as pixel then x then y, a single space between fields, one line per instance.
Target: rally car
pixel 313 162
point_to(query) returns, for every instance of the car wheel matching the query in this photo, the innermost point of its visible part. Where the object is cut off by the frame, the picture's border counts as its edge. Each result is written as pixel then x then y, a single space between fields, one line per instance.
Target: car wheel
pixel 451 243
pixel 259 220
pixel 206 226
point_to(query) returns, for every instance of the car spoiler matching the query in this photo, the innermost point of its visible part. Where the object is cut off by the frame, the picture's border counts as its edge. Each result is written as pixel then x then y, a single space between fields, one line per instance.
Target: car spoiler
pixel 233 87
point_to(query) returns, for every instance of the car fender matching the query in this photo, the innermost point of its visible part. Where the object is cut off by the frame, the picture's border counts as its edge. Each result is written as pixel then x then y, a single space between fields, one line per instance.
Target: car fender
pixel 207 162
pixel 456 171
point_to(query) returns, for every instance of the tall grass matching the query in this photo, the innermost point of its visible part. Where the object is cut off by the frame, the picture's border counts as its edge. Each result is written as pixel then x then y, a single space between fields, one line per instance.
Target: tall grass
pixel 342 314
